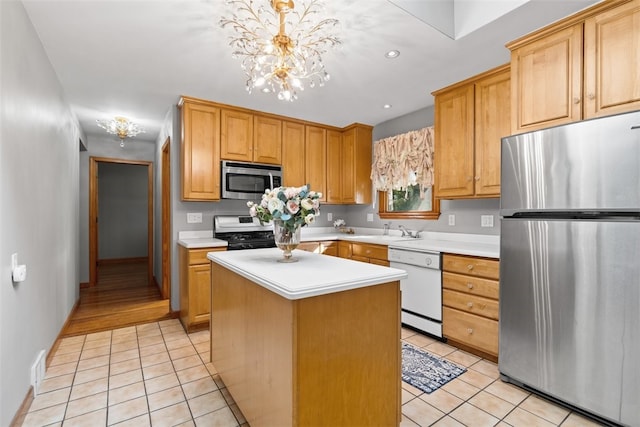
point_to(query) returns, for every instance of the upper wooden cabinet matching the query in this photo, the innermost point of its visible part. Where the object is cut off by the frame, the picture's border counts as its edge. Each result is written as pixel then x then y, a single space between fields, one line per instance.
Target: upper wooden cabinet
pixel 612 55
pixel 547 80
pixel 601 43
pixel 356 164
pixel 267 144
pixel 293 153
pixel 212 131
pixel 470 119
pixel 316 159
pixel 334 167
pixel 199 150
pixel 250 138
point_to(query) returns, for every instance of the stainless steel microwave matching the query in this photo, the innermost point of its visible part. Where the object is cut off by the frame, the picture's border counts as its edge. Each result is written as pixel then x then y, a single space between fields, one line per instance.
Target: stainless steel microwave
pixel 247 181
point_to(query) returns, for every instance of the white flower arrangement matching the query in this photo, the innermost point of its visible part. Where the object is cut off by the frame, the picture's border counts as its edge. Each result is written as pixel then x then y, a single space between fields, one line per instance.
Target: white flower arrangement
pixel 339 223
pixel 294 206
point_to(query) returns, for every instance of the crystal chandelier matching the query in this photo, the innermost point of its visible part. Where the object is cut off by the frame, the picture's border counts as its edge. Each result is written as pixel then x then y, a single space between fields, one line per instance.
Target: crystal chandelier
pixel 276 61
pixel 121 127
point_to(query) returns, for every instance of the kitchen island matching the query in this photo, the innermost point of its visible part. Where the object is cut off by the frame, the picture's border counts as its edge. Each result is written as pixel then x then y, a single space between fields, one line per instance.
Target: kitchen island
pixel 315 342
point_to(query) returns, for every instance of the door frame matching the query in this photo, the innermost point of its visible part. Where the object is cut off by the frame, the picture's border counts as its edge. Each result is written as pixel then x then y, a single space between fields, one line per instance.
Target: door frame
pixel 93 214
pixel 166 219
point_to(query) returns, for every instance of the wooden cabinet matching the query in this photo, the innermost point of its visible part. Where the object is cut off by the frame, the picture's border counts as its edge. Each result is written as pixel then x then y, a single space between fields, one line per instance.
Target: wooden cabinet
pixel 293 153
pixel 349 165
pixel 211 132
pixel 601 44
pixel 250 138
pixel 195 287
pixel 316 159
pixel 320 247
pixel 470 303
pixel 547 81
pixel 334 167
pixel 470 119
pixel 199 150
pixel 364 252
pixel 612 56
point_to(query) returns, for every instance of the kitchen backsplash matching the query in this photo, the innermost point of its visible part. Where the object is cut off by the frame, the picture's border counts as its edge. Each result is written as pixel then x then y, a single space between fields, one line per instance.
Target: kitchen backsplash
pixel 467 216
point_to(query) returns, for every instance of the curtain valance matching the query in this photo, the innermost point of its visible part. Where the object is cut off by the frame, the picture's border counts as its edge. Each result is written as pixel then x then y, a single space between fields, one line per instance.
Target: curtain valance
pixel 403 160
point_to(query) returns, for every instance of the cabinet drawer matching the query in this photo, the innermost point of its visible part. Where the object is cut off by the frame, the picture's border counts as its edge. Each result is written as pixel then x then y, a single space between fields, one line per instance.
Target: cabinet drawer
pixel 469 329
pixel 471 303
pixel 199 256
pixel 472 285
pixel 473 266
pixel 369 251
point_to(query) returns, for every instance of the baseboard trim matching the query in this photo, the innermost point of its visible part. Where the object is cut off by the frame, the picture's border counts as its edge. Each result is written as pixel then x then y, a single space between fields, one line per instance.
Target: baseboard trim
pixel 18 419
pixel 84 285
pixel 56 343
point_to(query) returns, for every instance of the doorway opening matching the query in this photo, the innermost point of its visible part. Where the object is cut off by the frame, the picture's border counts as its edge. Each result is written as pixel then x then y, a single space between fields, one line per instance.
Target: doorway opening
pixel 166 219
pixel 117 229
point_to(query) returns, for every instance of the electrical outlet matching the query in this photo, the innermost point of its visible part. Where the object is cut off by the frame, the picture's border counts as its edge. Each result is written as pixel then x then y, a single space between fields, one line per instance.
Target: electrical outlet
pixel 329 216
pixel 486 220
pixel 369 217
pixel 452 219
pixel 194 218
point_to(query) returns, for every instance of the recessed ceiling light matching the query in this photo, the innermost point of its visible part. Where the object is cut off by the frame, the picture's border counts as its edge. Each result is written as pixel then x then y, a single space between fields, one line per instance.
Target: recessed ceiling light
pixel 392 54
pixel 386 106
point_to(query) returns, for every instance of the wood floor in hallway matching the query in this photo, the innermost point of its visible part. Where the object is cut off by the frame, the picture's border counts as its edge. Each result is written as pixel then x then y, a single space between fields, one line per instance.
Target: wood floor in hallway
pixel 122 297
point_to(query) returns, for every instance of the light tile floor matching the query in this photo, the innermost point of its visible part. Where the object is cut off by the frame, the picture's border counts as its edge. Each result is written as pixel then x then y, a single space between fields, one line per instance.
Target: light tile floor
pixel 157 375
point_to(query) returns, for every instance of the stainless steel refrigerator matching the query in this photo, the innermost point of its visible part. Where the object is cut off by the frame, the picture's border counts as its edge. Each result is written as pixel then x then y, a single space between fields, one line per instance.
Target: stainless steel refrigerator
pixel 570 265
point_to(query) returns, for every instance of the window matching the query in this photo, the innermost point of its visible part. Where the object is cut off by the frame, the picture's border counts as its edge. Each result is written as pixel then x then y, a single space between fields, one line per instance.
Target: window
pixel 402 172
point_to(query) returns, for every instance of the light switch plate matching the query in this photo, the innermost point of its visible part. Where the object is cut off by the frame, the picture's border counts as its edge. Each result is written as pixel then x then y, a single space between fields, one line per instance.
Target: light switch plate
pixel 194 218
pixel 452 219
pixel 329 216
pixel 369 217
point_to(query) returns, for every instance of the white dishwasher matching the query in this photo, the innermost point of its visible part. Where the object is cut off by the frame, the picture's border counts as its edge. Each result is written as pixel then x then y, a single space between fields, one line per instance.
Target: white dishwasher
pixel 421 290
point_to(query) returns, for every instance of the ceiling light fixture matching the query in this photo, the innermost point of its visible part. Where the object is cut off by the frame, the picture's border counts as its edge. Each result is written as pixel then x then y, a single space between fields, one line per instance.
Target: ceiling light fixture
pixel 121 127
pixel 276 61
pixel 386 106
pixel 392 54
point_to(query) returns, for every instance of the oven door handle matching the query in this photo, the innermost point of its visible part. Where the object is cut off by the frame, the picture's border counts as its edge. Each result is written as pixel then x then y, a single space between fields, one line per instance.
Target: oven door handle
pixel 270 180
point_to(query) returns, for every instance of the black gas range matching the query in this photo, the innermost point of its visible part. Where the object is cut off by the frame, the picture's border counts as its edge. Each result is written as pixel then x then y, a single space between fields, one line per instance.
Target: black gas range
pixel 243 232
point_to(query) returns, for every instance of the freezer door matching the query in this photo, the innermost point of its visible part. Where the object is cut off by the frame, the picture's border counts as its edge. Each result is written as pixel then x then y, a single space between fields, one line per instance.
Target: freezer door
pixel 589 165
pixel 570 312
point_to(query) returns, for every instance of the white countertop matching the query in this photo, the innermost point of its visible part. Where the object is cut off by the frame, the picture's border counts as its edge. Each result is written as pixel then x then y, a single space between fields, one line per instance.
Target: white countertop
pixel 199 240
pixel 312 275
pixel 455 243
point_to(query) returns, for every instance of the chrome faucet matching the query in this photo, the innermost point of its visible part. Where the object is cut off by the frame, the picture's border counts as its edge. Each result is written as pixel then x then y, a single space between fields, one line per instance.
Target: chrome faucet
pixel 385 231
pixel 408 233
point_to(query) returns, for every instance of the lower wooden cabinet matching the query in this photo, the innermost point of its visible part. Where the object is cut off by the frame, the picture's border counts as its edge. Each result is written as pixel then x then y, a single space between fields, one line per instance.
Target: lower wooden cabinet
pixel 470 303
pixel 364 252
pixel 195 287
pixel 320 247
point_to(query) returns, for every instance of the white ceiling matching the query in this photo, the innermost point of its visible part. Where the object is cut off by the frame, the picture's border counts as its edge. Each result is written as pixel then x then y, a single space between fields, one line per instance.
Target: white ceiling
pixel 135 58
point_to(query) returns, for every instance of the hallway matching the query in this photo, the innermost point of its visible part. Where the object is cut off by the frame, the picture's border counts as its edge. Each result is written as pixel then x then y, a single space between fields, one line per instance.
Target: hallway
pixel 122 297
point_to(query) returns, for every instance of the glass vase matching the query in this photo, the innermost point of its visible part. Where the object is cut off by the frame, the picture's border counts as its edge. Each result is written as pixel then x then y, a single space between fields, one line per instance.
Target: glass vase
pixel 287 239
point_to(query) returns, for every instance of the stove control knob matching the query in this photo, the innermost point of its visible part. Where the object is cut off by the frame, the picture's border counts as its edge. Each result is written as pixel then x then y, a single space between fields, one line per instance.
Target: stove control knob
pixel 428 262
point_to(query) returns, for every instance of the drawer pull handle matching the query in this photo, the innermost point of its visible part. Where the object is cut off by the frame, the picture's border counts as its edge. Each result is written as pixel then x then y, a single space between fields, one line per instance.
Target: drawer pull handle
pixel 470 267
pixel 469 331
pixel 470 285
pixel 470 304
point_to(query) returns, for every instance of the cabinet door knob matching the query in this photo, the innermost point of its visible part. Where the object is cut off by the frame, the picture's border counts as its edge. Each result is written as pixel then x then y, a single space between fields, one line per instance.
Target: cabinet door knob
pixel 470 285
pixel 470 304
pixel 470 267
pixel 469 331
pixel 576 100
pixel 592 96
pixel 477 178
